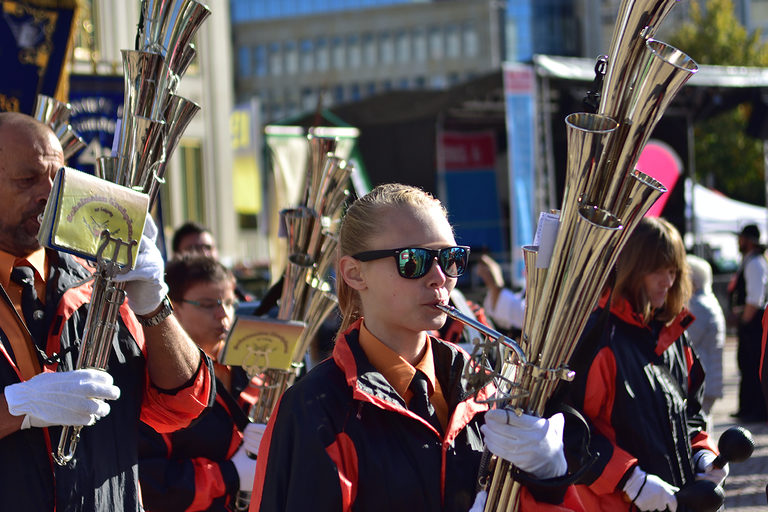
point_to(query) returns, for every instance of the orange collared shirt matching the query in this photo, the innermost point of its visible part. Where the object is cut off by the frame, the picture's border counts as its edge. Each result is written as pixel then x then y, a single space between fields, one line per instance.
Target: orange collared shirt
pixel 13 323
pixel 399 372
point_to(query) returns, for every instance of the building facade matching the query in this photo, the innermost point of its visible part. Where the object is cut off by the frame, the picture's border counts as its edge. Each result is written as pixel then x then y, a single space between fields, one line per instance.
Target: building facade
pixel 297 62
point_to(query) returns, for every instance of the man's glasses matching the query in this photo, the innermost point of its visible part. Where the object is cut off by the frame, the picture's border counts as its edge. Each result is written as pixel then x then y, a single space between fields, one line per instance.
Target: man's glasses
pixel 415 262
pixel 213 303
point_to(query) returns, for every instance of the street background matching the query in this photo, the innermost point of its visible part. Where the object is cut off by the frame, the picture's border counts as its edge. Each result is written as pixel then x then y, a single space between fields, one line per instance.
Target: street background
pixel 745 487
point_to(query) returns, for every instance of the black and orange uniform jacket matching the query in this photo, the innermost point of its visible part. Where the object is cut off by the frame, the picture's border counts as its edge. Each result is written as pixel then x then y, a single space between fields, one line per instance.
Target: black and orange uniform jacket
pixel 342 439
pixel 190 469
pixel 103 476
pixel 640 385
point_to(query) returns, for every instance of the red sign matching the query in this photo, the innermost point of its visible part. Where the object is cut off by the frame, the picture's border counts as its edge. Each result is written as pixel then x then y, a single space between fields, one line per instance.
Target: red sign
pixel 467 151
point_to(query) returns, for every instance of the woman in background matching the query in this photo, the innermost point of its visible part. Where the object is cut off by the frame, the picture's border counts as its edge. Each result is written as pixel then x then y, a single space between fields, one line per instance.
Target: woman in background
pixel 639 382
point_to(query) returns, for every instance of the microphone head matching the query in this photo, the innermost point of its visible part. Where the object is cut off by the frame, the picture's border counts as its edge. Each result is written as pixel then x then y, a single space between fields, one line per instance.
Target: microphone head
pixel 736 444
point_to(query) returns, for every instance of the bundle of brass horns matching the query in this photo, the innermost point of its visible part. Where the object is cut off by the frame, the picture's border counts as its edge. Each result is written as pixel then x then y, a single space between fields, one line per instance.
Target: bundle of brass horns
pixel 604 199
pixel 309 228
pixel 55 114
pixel 153 120
pixel 154 116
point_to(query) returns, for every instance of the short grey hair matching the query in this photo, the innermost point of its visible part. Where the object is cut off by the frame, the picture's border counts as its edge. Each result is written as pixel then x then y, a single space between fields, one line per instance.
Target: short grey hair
pixel 701 273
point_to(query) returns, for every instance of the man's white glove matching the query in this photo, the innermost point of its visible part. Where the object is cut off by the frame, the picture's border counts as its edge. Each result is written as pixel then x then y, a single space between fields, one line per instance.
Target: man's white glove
pixel 252 437
pixel 532 444
pixel 75 398
pixel 145 285
pixel 649 492
pixel 479 504
pixel 705 470
pixel 245 466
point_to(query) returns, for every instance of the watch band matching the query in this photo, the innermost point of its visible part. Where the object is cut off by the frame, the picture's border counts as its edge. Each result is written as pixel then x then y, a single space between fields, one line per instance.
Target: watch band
pixel 165 312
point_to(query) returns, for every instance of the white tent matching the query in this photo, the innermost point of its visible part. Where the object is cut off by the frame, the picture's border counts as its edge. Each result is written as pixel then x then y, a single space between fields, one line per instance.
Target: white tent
pixel 717 218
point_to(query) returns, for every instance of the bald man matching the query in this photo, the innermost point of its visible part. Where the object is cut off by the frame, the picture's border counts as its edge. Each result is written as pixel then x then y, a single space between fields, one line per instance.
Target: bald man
pixel 155 371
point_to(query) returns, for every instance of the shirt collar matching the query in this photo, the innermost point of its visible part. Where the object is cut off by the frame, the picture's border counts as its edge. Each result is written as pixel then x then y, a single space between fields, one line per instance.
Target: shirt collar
pixel 392 366
pixel 37 260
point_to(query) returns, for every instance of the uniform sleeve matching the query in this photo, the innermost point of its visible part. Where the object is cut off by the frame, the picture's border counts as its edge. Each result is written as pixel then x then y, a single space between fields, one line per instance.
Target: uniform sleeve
pixel 169 485
pixel 700 439
pixel 168 411
pixel 303 464
pixel 597 403
pixel 571 503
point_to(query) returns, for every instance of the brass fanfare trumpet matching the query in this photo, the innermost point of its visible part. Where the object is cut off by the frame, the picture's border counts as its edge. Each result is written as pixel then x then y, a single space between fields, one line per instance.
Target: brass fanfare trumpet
pixel 153 121
pixel 604 199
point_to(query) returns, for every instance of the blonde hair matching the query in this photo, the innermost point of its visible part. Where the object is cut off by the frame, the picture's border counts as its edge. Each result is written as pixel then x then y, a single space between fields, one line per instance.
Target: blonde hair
pixel 361 223
pixel 655 244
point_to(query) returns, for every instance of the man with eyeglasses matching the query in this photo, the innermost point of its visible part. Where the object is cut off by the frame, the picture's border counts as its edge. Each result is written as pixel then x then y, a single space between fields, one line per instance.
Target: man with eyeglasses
pixel 204 466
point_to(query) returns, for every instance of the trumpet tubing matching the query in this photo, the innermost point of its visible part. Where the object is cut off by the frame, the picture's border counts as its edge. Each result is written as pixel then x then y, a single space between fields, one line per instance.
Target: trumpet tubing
pixel 153 120
pixel 604 199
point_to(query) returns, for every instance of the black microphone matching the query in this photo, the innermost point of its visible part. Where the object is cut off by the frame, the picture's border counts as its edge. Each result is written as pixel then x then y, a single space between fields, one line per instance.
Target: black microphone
pixel 736 445
pixel 701 496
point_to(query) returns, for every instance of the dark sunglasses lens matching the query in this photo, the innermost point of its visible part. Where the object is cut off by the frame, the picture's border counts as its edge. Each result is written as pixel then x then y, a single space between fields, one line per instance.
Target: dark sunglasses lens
pixel 412 263
pixel 453 261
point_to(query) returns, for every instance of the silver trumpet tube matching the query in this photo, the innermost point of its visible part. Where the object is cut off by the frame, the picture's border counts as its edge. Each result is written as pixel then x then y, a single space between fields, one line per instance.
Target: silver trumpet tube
pixel 604 198
pixel 309 227
pixel 154 118
pixel 55 114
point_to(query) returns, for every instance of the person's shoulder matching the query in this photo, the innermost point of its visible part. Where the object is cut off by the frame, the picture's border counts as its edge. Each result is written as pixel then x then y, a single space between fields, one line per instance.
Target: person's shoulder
pixel 322 379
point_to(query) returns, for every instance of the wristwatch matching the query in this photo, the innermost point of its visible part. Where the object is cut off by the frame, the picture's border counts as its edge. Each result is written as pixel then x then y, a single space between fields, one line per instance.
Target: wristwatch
pixel 165 310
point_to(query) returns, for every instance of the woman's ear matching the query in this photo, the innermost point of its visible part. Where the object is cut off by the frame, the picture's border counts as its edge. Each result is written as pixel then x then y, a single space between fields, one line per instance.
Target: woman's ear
pixel 351 271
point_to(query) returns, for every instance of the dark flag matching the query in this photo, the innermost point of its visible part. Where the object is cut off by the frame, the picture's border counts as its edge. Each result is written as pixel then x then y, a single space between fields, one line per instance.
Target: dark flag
pixel 35 39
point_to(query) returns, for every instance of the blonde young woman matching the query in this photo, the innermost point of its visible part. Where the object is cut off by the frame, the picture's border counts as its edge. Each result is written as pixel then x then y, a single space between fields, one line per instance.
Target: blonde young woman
pixel 640 383
pixel 353 434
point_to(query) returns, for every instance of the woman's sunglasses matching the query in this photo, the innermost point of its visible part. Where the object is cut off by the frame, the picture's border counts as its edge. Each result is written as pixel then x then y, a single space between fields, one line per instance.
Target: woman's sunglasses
pixel 415 262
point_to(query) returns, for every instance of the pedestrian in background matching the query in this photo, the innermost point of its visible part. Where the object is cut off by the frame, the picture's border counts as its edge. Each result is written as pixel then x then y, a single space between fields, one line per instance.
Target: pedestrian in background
pixel 747 301
pixel 707 332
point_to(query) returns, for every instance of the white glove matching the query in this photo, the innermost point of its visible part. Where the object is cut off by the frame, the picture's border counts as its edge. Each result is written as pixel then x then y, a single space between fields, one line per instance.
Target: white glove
pixel 252 437
pixel 73 398
pixel 145 285
pixel 705 470
pixel 532 444
pixel 649 492
pixel 479 503
pixel 245 466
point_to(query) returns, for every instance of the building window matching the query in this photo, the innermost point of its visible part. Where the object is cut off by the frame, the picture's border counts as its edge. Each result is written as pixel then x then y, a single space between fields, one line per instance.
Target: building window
pixel 275 59
pixel 338 93
pixel 291 58
pixel 469 38
pixel 420 45
pixel 354 52
pixel 321 54
pixel 354 92
pixel 403 47
pixel 369 50
pixel 386 49
pixel 308 100
pixel 338 53
pixel 307 56
pixel 191 162
pixel 452 42
pixel 436 49
pixel 244 61
pixel 260 62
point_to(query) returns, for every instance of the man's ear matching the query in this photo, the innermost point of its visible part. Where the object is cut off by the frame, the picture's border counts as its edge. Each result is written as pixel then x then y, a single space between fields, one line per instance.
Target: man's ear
pixel 352 273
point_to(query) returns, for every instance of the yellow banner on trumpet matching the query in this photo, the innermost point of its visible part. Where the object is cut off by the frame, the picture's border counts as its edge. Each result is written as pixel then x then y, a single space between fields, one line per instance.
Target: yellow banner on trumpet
pixel 258 343
pixel 88 216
